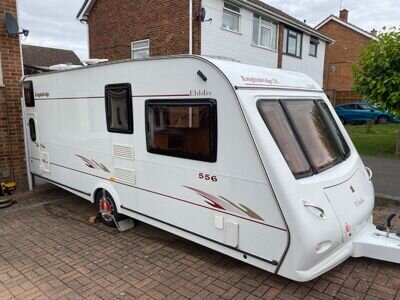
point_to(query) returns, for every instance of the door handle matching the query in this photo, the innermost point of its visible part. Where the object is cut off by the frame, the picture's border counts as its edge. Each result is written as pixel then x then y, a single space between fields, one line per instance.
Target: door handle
pixel 321 211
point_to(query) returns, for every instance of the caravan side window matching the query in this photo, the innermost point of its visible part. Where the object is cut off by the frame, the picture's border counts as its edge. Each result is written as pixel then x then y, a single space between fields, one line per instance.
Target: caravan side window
pixel 119 111
pixel 28 94
pixel 182 128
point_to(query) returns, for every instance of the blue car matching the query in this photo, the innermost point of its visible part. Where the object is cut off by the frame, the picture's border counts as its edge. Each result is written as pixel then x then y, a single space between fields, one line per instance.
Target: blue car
pixel 363 112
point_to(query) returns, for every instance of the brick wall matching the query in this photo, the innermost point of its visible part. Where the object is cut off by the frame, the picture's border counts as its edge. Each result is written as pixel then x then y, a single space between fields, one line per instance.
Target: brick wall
pixel 340 56
pixel 12 153
pixel 115 24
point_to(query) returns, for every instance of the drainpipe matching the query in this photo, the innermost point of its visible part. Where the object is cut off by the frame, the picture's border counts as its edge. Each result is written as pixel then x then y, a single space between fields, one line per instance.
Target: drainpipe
pixel 190 27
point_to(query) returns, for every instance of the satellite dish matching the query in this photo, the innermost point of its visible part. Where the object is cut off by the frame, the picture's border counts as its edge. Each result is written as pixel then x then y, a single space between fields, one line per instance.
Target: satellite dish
pixel 203 14
pixel 12 26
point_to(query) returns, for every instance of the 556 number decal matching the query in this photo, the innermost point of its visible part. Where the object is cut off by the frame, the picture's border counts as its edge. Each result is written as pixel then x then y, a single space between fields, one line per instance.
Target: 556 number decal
pixel 208 177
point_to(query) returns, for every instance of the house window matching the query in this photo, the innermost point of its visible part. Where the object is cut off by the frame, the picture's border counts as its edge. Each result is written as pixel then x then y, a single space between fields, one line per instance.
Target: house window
pixel 29 94
pixel 231 17
pixel 141 49
pixel 314 42
pixel 119 111
pixel 182 128
pixel 1 73
pixel 293 40
pixel 264 32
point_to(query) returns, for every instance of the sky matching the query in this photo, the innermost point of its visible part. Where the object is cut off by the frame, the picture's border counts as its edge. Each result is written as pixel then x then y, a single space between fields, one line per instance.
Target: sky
pixel 52 23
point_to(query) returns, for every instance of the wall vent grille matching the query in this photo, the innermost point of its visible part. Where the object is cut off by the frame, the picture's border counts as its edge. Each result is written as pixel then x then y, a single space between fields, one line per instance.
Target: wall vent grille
pixel 123 151
pixel 125 175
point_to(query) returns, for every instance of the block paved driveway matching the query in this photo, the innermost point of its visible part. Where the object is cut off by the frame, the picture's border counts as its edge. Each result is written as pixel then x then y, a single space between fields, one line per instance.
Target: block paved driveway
pixel 49 250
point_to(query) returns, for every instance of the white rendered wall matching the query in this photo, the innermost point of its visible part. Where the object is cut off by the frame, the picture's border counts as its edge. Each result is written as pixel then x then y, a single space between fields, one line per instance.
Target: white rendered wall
pixel 216 41
pixel 309 65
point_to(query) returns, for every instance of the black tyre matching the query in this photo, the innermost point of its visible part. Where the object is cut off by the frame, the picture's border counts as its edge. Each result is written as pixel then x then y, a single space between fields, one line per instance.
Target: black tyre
pixel 383 120
pixel 107 209
pixel 342 120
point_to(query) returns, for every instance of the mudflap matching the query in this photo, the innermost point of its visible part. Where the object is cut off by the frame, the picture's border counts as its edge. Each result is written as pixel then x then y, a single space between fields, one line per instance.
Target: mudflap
pixel 373 243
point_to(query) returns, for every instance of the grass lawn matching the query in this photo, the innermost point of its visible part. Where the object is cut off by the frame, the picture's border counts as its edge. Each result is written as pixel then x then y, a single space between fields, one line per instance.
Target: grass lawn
pixel 375 140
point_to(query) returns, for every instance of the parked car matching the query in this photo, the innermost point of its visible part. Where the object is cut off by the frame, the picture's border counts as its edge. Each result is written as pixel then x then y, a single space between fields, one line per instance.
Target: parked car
pixel 363 112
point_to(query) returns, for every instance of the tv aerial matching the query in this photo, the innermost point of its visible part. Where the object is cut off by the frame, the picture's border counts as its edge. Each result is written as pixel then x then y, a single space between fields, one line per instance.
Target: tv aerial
pixel 12 27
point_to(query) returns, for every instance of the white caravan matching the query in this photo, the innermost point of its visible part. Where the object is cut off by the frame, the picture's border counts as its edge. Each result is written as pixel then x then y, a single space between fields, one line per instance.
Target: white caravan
pixel 248 161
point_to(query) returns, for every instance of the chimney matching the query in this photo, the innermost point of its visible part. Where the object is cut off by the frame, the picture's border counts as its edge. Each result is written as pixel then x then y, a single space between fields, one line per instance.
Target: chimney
pixel 374 32
pixel 343 15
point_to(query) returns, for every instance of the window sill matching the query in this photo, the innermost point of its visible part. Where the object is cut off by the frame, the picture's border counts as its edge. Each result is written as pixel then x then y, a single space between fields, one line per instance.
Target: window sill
pixel 312 55
pixel 232 31
pixel 2 85
pixel 262 47
pixel 291 55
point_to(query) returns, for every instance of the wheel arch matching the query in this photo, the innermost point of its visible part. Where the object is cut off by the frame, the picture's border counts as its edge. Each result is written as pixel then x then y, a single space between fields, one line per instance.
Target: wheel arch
pixel 104 185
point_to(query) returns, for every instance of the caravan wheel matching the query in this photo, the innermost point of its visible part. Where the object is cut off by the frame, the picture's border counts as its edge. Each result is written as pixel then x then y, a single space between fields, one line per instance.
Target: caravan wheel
pixel 107 209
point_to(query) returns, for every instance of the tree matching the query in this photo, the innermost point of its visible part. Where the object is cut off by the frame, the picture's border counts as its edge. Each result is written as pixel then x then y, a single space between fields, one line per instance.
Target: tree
pixel 377 74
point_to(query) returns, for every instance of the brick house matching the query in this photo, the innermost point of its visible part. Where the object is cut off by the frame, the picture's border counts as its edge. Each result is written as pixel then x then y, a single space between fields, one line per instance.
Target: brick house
pixel 39 59
pixel 341 55
pixel 249 31
pixel 12 151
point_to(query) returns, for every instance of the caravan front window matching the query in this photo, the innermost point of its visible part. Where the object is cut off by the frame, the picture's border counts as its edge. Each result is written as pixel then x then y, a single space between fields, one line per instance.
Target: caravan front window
pixel 306 133
pixel 277 122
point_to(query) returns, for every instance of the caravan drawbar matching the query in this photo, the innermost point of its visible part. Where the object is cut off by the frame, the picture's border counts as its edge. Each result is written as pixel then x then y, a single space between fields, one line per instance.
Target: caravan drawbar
pixel 248 161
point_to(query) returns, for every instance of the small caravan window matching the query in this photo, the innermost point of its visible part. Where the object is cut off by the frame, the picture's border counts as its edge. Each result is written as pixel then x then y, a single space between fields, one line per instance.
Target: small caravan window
pixel 182 128
pixel 119 112
pixel 306 134
pixel 32 129
pixel 28 94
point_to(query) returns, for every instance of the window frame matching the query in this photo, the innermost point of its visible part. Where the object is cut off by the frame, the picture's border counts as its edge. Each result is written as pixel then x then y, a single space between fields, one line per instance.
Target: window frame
pixel 239 14
pixel 342 156
pixel 140 48
pixel 272 28
pixel 117 86
pixel 31 93
pixel 213 126
pixel 314 41
pixel 298 33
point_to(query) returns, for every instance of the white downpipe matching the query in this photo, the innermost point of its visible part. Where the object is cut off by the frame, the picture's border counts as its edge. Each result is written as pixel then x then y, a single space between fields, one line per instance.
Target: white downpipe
pixel 190 27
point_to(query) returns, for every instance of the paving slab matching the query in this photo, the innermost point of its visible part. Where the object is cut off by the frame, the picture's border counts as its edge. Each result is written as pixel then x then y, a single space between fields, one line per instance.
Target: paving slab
pixel 50 250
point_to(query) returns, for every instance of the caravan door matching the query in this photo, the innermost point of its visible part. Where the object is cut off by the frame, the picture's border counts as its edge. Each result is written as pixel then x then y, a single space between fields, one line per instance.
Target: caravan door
pixel 119 113
pixel 38 162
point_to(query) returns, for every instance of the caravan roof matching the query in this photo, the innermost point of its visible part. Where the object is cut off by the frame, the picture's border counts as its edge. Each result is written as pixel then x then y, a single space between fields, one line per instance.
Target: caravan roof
pixel 240 78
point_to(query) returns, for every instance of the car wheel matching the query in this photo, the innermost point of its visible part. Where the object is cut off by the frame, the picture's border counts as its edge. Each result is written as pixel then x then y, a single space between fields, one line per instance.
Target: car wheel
pixel 107 209
pixel 383 120
pixel 342 120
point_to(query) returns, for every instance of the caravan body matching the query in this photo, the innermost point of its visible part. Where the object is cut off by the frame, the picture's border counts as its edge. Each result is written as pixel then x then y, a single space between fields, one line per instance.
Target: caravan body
pixel 249 161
